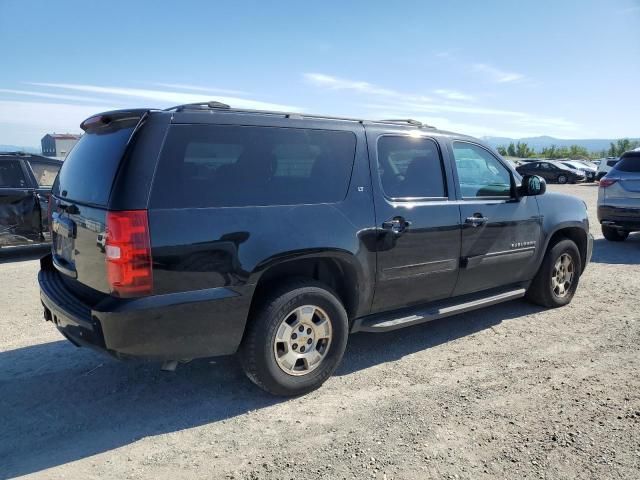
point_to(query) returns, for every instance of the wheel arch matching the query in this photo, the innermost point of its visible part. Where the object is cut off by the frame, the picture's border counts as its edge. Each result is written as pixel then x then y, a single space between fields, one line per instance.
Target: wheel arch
pixel 337 269
pixel 571 231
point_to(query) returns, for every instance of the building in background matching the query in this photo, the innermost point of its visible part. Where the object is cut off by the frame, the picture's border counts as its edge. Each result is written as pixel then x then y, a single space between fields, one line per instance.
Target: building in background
pixel 58 144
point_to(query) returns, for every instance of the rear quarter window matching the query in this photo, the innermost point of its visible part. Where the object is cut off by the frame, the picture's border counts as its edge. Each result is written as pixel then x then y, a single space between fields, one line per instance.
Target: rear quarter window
pixel 235 166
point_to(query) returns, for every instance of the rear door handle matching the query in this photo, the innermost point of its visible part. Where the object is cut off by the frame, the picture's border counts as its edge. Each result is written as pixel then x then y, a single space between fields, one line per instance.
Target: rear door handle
pixel 476 220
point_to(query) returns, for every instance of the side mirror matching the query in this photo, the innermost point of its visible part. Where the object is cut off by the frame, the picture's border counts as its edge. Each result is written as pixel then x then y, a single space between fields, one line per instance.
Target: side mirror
pixel 532 185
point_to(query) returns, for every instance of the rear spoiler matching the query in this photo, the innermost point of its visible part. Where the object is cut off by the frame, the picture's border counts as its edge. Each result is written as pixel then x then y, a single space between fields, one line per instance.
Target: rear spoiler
pixel 106 119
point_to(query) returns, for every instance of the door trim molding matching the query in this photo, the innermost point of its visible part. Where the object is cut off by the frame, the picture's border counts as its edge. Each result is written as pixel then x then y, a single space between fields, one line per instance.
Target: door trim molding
pixel 418 269
pixel 495 258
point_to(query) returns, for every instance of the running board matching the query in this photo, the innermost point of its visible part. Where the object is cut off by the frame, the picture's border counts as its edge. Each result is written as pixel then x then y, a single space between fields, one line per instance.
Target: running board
pixel 388 321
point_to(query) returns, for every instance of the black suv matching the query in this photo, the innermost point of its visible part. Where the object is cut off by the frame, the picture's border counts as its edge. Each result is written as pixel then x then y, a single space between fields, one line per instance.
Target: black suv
pixel 204 230
pixel 25 184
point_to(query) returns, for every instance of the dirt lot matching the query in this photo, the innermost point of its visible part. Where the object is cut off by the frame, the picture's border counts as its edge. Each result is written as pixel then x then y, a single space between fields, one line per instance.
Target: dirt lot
pixel 513 391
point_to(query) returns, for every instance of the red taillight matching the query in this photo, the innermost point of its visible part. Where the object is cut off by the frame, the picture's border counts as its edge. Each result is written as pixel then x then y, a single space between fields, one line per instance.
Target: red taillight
pixel 607 182
pixel 128 250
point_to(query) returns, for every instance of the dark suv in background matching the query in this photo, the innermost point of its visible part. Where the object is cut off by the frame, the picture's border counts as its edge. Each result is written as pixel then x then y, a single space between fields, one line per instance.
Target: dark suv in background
pixel 552 172
pixel 25 184
pixel 619 198
pixel 204 230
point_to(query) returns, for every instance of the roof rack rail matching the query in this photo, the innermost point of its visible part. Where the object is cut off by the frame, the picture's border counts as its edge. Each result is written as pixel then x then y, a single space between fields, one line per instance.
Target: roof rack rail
pixel 409 121
pixel 199 106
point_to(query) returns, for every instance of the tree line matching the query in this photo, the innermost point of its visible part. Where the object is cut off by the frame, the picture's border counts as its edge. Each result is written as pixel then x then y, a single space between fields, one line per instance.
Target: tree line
pixel 522 150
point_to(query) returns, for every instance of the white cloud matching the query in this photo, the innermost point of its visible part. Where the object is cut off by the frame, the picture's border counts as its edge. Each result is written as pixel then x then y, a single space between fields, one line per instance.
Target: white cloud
pixel 25 123
pixel 387 103
pixel 55 96
pixel 497 75
pixel 335 83
pixel 453 94
pixel 58 116
pixel 166 97
pixel 533 122
pixel 195 88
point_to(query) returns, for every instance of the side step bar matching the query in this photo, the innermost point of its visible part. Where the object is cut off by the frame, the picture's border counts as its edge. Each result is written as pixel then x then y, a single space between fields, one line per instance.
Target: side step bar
pixel 386 322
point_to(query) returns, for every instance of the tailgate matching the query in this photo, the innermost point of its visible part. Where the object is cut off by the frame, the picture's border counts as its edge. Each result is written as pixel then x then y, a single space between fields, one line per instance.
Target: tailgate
pixel 81 196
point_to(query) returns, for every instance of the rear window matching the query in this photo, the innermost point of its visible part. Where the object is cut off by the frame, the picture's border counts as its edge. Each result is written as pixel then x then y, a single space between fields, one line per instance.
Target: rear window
pixel 628 164
pixel 89 170
pixel 231 166
pixel 45 173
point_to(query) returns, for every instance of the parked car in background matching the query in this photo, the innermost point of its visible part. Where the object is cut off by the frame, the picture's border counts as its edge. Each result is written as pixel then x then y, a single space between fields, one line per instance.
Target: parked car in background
pixel 588 169
pixel 551 171
pixel 605 166
pixel 204 230
pixel 25 185
pixel 619 198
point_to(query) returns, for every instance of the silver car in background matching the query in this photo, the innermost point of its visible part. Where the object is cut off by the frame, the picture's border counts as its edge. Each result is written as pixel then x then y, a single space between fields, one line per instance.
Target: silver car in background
pixel 619 198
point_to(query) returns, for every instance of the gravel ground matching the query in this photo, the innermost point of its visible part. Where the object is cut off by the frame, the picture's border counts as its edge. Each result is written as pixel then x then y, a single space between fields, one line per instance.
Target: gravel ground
pixel 512 391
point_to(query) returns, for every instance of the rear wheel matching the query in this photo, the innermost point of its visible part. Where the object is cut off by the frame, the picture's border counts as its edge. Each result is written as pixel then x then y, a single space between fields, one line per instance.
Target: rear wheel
pixel 614 234
pixel 562 179
pixel 557 280
pixel 296 340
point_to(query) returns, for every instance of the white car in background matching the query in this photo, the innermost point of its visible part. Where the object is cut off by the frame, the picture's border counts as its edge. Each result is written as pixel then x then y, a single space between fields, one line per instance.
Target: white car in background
pixel 605 166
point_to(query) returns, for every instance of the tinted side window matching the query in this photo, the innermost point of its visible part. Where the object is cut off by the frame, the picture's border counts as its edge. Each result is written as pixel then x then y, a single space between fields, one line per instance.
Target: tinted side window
pixel 229 166
pixel 480 174
pixel 11 175
pixel 410 167
pixel 45 173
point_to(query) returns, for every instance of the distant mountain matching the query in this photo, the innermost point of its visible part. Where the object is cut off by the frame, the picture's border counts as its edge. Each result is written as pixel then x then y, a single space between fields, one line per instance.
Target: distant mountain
pixel 538 143
pixel 16 148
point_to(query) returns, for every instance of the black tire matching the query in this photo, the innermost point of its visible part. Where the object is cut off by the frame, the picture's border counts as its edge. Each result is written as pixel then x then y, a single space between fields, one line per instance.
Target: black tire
pixel 541 289
pixel 562 179
pixel 257 350
pixel 614 234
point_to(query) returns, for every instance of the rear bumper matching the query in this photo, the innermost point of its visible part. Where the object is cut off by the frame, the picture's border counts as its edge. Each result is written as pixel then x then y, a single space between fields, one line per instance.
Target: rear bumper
pixel 173 326
pixel 626 218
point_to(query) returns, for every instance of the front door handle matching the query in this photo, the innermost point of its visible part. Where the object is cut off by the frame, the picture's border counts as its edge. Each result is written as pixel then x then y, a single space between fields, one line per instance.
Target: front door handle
pixel 476 220
pixel 397 225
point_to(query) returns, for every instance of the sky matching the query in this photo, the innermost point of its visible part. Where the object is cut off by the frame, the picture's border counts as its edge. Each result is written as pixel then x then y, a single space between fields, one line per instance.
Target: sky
pixel 569 69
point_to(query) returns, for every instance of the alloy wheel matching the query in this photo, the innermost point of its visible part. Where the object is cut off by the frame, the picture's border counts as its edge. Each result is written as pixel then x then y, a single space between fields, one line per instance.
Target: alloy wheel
pixel 302 340
pixel 562 275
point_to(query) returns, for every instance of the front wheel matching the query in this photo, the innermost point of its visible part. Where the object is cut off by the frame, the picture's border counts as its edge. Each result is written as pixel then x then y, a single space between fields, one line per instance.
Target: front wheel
pixel 562 179
pixel 614 234
pixel 296 340
pixel 557 280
